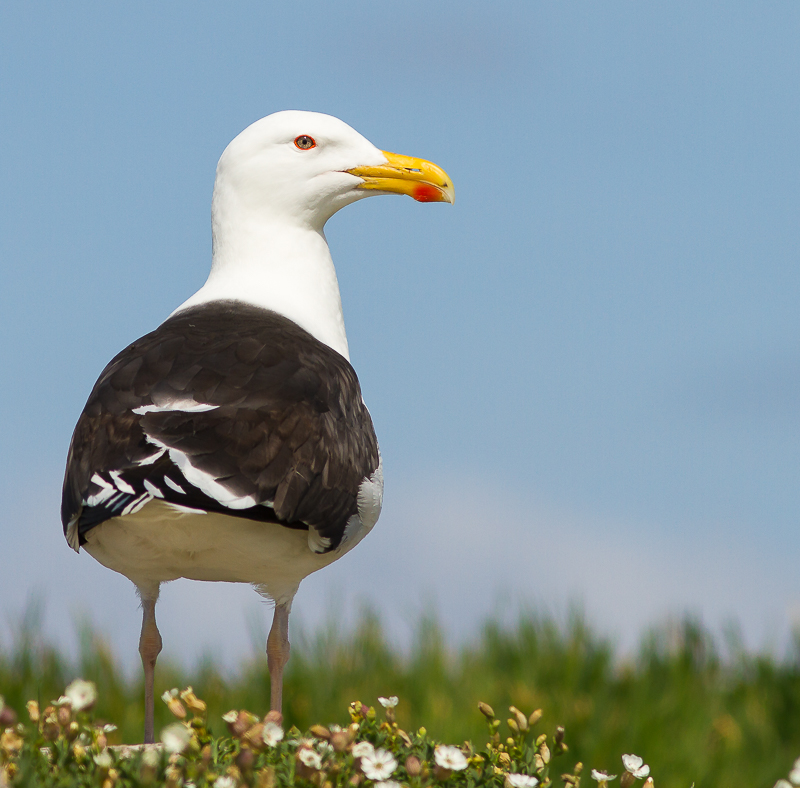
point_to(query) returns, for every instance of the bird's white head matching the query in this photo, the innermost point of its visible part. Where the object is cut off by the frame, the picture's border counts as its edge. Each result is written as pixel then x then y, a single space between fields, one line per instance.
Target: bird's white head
pixel 277 184
pixel 305 166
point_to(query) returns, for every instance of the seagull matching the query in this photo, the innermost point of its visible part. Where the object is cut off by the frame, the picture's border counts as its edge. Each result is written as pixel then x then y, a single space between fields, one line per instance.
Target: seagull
pixel 232 443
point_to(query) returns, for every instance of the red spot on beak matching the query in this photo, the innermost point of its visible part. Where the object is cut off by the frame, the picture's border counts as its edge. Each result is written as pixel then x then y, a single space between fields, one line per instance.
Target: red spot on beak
pixel 424 192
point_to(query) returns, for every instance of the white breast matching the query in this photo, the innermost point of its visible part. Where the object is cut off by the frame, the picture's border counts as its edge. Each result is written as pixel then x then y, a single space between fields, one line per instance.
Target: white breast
pixel 159 543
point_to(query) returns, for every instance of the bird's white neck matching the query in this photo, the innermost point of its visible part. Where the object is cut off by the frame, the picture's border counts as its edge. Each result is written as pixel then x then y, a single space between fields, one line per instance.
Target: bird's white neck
pixel 276 263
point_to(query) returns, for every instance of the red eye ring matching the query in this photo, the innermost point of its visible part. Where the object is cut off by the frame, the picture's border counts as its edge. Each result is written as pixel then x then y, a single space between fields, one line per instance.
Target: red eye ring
pixel 304 142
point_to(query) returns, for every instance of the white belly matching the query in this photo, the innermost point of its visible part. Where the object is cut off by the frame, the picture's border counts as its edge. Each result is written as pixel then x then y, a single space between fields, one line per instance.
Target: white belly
pixel 158 544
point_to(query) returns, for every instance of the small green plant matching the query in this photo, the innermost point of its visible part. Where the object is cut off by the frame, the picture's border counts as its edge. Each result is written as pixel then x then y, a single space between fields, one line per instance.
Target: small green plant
pixel 62 745
pixel 699 708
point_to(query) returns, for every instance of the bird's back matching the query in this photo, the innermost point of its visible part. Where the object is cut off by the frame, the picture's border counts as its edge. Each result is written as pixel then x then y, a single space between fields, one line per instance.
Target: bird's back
pixel 227 410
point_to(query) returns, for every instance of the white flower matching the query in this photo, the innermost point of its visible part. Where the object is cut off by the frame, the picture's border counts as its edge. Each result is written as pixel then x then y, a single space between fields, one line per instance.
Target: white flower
pixel 362 749
pixel 230 716
pixel 81 694
pixel 450 758
pixel 151 757
pixel 108 728
pixel 794 775
pixel 62 701
pixel 170 694
pixel 782 784
pixel 522 781
pixel 310 758
pixel 104 760
pixel 176 737
pixel 602 776
pixel 635 765
pixel 226 781
pixel 378 766
pixel 272 734
pixel 388 784
pixel 390 702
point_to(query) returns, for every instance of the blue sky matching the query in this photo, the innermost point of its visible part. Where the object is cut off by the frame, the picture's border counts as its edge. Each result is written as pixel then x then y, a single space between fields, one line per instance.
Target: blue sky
pixel 584 374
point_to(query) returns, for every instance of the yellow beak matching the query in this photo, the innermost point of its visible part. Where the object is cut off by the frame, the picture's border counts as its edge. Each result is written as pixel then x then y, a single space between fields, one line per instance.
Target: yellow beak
pixel 417 178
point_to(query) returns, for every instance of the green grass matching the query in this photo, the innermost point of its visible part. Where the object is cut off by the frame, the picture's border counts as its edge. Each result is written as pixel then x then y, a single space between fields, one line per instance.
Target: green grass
pixel 693 715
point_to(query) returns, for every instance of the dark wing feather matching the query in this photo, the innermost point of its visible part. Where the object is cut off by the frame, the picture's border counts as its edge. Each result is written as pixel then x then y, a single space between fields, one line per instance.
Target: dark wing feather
pixel 288 428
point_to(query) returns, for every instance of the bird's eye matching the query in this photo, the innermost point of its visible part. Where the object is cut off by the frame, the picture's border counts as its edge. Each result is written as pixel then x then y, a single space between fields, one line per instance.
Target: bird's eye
pixel 304 142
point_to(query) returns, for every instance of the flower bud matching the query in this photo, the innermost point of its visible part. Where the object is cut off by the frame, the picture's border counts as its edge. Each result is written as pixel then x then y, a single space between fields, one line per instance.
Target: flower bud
pixel 33 710
pixel 79 751
pixel 266 778
pixel 535 717
pixel 240 724
pixel 522 720
pixel 513 725
pixel 504 759
pixel 538 763
pixel 64 716
pixel 648 783
pixel 10 742
pixel 245 758
pixel 101 740
pixel 274 716
pixel 341 740
pixel 194 703
pixel 413 766
pixel 8 717
pixel 355 710
pixel 174 777
pixel 321 732
pixel 559 737
pixel 177 708
pixel 626 780
pixel 486 710
pixel 73 731
pixel 149 765
pixel 544 751
pixel 254 736
pixel 541 739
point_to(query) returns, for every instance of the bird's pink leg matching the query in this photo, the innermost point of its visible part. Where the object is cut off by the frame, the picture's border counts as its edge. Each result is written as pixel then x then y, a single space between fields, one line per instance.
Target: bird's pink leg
pixel 149 648
pixel 278 655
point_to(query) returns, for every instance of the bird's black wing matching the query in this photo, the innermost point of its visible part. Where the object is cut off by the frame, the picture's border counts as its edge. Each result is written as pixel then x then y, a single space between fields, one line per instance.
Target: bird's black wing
pixel 229 408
